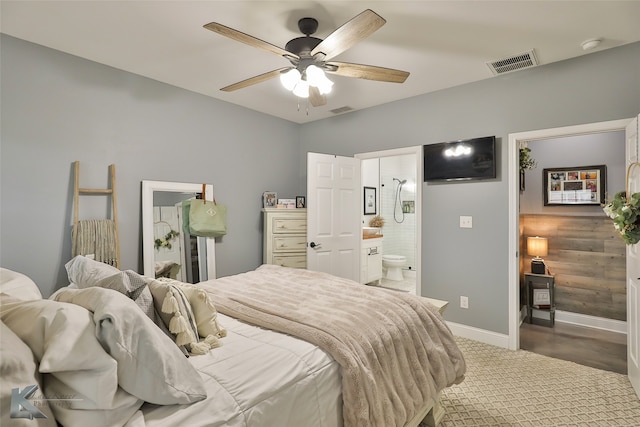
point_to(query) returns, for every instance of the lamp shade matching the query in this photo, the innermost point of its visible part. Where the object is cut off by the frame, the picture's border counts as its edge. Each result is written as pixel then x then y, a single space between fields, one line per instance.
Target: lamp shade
pixel 290 79
pixel 537 246
pixel 302 89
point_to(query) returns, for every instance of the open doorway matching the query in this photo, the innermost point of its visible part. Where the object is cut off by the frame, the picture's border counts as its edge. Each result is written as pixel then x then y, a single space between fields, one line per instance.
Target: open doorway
pixel 585 260
pixel 398 182
pixel 514 195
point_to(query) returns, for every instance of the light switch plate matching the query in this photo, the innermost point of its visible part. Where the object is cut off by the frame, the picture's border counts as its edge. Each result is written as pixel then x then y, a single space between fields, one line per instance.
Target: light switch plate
pixel 466 222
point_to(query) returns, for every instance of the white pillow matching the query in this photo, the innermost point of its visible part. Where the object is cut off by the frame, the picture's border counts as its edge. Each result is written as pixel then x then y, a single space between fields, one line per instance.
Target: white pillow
pixel 85 272
pixel 150 365
pixel 203 309
pixel 18 285
pixel 18 369
pixel 175 312
pixel 62 338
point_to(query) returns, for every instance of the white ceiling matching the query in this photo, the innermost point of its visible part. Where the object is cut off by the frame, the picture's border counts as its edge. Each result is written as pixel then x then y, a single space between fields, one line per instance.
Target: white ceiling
pixel 441 43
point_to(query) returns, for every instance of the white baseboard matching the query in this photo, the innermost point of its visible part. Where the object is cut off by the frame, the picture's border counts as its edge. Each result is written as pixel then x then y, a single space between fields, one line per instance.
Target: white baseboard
pixel 578 319
pixel 502 340
pixel 591 321
pixel 482 335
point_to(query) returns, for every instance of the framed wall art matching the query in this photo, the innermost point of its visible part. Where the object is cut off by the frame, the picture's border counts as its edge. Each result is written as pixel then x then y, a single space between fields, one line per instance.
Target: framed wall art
pixel 369 200
pixel 583 185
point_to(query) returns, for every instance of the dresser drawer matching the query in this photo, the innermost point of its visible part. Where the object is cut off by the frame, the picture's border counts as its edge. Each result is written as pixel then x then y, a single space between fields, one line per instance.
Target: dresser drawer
pixel 288 225
pixel 295 261
pixel 289 243
pixel 285 237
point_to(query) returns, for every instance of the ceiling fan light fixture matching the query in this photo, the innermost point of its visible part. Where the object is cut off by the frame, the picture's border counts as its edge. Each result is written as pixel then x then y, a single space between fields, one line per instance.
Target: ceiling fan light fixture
pixel 317 78
pixel 301 90
pixel 310 57
pixel 290 79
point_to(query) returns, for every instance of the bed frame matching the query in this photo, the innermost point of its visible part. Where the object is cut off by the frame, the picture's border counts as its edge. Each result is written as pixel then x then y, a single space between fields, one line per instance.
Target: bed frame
pixel 430 415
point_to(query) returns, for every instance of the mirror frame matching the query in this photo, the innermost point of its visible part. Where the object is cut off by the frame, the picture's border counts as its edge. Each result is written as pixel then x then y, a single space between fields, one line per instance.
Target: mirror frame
pixel 148 187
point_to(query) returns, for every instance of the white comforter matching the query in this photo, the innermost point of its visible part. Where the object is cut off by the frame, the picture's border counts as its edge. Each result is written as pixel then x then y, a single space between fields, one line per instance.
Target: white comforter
pixel 395 351
pixel 259 378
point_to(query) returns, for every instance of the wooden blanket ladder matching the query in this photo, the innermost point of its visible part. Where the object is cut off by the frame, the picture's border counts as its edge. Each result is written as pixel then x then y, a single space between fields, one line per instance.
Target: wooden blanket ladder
pixel 98 237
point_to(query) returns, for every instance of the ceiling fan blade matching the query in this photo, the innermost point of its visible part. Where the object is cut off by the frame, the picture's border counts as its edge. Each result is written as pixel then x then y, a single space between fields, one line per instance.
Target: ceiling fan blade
pixel 254 80
pixel 368 72
pixel 315 97
pixel 350 33
pixel 247 39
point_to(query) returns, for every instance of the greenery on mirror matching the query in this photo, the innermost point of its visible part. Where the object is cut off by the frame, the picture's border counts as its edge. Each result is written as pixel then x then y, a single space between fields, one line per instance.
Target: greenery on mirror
pixel 166 241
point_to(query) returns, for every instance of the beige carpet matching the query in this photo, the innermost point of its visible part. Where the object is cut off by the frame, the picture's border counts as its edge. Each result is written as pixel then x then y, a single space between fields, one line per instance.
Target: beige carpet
pixel 520 388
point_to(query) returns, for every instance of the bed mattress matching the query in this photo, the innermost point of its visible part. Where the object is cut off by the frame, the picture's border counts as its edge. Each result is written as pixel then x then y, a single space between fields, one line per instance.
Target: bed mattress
pixel 295 383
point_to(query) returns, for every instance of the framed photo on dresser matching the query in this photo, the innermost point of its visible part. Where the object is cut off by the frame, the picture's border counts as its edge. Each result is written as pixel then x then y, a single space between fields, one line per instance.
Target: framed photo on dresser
pixel 269 199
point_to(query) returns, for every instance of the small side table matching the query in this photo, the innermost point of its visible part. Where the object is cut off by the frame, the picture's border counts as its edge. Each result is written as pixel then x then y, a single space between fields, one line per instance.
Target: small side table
pixel 440 304
pixel 540 296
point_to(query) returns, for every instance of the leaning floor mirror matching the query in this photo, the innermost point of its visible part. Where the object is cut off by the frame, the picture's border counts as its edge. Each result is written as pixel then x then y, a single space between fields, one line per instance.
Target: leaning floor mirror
pixel 168 250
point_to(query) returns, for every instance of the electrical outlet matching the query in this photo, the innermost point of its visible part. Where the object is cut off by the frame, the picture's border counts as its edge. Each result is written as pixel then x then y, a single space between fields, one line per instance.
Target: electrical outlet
pixel 466 222
pixel 464 302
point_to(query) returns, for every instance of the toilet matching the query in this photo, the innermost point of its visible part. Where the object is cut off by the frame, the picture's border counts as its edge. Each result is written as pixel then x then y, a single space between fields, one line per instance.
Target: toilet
pixel 393 265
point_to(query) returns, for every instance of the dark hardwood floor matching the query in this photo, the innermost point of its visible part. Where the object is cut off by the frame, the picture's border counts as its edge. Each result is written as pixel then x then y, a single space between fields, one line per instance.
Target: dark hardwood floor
pixel 586 346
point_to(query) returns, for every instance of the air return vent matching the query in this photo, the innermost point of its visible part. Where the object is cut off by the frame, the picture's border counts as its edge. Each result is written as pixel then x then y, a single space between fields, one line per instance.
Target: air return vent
pixel 513 63
pixel 341 110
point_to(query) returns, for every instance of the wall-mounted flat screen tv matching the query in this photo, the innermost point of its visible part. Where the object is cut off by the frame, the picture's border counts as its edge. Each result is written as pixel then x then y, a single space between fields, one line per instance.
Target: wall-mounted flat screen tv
pixel 460 160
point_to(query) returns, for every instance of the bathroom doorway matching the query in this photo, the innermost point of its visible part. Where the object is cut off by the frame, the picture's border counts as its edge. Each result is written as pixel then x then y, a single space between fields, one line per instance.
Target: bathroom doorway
pixel 397 177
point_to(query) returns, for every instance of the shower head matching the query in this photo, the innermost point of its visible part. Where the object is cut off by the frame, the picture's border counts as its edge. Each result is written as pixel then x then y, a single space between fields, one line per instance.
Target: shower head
pixel 401 182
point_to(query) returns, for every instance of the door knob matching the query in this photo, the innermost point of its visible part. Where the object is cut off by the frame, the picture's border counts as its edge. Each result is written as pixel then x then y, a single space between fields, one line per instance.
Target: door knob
pixel 314 245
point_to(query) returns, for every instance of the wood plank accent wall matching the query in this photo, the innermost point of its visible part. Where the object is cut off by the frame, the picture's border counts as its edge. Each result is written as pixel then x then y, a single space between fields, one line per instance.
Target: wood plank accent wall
pixel 587 257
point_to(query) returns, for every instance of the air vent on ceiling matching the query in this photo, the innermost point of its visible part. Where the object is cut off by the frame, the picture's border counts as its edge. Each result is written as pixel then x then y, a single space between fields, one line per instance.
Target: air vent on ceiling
pixel 513 63
pixel 341 110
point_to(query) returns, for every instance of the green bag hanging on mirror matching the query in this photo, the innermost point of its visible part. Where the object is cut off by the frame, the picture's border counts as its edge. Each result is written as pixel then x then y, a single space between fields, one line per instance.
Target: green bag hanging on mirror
pixel 207 219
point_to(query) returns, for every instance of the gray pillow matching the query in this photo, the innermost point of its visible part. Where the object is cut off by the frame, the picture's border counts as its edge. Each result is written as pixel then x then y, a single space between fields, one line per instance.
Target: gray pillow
pixel 134 286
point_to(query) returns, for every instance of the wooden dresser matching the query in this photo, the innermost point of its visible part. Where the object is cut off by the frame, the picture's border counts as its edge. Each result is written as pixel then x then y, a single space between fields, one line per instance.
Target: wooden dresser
pixel 285 237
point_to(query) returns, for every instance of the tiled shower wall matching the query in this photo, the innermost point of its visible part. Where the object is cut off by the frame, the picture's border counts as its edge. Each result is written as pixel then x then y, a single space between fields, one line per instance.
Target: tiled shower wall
pixel 399 237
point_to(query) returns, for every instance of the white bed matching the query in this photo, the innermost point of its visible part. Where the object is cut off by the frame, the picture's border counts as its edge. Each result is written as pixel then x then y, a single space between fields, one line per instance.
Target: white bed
pixel 257 377
pixel 294 384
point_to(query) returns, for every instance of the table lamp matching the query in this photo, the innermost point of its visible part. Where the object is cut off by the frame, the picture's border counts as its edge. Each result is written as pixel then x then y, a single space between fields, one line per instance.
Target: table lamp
pixel 537 247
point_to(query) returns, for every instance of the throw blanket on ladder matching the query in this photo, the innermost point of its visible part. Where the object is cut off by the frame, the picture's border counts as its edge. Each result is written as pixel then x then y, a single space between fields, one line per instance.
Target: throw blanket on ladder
pixel 395 350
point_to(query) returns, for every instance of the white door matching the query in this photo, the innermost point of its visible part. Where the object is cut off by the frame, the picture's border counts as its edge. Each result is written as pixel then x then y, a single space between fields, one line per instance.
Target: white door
pixel 633 264
pixel 333 226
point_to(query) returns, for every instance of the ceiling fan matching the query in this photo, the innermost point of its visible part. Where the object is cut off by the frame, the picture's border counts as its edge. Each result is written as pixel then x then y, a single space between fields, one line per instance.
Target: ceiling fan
pixel 310 57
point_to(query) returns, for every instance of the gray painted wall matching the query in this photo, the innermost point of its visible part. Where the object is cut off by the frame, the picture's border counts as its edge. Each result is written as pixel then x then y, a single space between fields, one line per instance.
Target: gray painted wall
pixel 57 108
pixel 474 262
pixel 583 150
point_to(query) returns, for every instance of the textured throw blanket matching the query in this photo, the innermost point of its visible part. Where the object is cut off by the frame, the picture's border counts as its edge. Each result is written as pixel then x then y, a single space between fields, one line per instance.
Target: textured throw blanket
pixel 394 349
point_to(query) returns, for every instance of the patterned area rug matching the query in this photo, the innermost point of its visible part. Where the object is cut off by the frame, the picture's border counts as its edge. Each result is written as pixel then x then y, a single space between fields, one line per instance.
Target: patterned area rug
pixel 520 388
